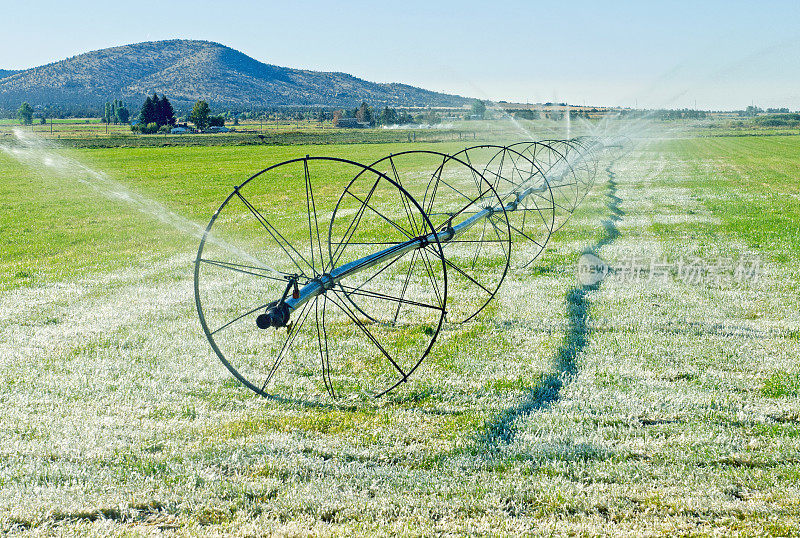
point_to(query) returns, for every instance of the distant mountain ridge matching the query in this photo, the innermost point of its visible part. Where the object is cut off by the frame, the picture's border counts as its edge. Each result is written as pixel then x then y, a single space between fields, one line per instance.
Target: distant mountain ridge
pixel 7 72
pixel 187 70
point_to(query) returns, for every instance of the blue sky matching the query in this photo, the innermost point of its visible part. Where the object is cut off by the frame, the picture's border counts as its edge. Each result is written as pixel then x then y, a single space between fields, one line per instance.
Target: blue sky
pixel 715 54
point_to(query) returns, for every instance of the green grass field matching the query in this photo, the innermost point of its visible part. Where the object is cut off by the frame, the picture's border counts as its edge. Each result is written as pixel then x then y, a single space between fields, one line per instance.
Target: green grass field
pixel 90 133
pixel 645 404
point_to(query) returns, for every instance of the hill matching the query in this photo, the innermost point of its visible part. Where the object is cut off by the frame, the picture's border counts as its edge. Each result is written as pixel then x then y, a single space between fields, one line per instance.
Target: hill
pixel 7 72
pixel 186 70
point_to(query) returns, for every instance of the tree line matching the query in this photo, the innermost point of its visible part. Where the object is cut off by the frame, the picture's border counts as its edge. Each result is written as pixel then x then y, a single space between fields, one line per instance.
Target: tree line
pixel 158 115
pixel 115 112
pixel 160 111
pixel 365 115
pixel 665 114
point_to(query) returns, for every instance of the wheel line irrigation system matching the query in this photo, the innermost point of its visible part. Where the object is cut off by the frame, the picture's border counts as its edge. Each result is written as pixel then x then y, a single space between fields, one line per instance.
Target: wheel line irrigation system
pixel 359 284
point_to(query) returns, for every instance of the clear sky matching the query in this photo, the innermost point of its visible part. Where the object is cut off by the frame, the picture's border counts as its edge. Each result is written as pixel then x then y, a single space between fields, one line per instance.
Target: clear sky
pixel 713 54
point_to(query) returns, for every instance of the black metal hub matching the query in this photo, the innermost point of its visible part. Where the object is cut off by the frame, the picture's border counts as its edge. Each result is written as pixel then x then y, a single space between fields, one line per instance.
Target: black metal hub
pixel 277 315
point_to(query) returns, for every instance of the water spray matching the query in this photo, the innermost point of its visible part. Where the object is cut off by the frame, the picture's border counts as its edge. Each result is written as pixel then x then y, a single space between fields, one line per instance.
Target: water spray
pixel 38 153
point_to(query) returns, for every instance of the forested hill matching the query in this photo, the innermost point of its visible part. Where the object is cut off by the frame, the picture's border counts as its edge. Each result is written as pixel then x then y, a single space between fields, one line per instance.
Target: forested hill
pixel 185 71
pixel 6 72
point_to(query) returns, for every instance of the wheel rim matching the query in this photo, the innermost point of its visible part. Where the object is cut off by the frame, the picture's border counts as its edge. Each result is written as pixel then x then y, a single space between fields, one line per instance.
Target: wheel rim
pixel 281 215
pixel 450 190
pixel 532 222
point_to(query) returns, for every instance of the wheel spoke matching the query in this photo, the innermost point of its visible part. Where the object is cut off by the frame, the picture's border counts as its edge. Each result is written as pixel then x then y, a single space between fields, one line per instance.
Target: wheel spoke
pixel 480 243
pixel 234 320
pixel 472 202
pixel 372 243
pixel 412 221
pixel 275 234
pixel 388 264
pixel 465 275
pixel 293 332
pixel 244 269
pixel 524 218
pixel 343 306
pixel 384 217
pixel 311 209
pixel 448 185
pixel 543 197
pixel 429 269
pixel 444 244
pixel 351 229
pixel 517 170
pixel 526 209
pixel 376 295
pixel 472 169
pixel 427 203
pixel 322 340
pixel 405 285
pixel 502 161
pixel 539 210
pixel 506 253
pixel 523 234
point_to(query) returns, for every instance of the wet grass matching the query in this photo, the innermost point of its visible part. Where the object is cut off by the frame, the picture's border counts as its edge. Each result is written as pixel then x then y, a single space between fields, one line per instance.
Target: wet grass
pixel 638 407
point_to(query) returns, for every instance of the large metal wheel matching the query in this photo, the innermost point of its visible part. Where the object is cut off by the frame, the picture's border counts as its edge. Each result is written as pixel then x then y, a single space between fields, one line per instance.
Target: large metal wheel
pixel 275 237
pixel 578 153
pixel 450 191
pixel 552 161
pixel 524 191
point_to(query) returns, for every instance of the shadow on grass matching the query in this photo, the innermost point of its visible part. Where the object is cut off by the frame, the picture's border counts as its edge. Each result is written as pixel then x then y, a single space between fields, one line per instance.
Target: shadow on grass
pixel 547 391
